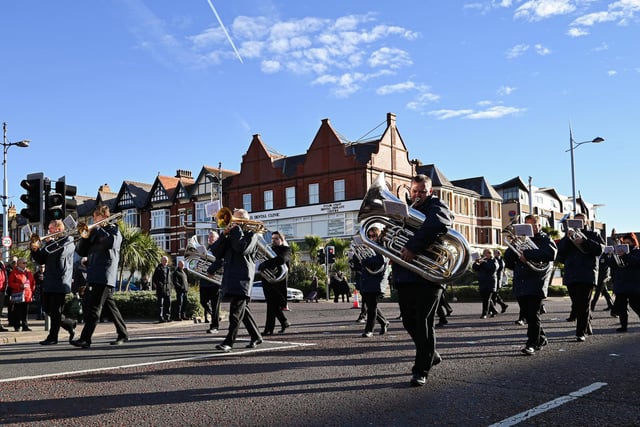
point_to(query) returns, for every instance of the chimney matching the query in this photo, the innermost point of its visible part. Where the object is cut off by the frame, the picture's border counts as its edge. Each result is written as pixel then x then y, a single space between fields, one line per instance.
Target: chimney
pixel 105 188
pixel 183 173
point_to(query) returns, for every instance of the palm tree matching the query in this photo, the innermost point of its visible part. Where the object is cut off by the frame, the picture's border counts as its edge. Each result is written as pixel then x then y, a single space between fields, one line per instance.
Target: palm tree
pixel 138 252
pixel 313 243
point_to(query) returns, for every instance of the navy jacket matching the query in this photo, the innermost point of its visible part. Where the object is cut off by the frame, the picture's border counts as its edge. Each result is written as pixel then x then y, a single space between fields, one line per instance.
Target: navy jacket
pixel 237 252
pixel 438 220
pixel 487 274
pixel 526 281
pixel 626 279
pixel 58 261
pixel 102 249
pixel 580 267
pixel 373 282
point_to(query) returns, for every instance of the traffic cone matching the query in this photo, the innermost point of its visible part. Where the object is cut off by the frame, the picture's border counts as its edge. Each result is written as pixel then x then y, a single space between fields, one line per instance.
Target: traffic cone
pixel 356 300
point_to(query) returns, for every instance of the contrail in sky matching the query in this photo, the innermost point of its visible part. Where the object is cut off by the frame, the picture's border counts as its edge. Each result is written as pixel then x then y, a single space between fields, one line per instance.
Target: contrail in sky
pixel 225 31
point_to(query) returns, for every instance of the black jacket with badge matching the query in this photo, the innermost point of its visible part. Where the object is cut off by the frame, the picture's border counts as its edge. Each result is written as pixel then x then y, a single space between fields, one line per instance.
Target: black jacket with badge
pixel 527 281
pixel 237 252
pixel 580 267
pixel 438 220
pixel 102 249
pixel 57 256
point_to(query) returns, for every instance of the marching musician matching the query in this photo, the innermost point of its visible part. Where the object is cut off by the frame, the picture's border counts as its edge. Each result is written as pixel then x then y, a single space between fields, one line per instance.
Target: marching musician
pixel 57 256
pixel 101 246
pixel 236 248
pixel 373 272
pixel 275 294
pixel 625 270
pixel 579 251
pixel 418 297
pixel 486 267
pixel 530 286
pixel 210 292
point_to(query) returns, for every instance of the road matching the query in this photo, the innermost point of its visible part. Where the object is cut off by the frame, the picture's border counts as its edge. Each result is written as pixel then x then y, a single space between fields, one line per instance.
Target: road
pixel 321 372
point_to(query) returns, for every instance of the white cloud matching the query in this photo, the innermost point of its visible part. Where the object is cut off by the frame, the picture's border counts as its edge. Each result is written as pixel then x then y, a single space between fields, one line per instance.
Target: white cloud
pixel 396 88
pixel 577 32
pixel 506 90
pixel 612 73
pixel 390 57
pixel 537 10
pixel 494 112
pixel 517 50
pixel 270 67
pixel 542 50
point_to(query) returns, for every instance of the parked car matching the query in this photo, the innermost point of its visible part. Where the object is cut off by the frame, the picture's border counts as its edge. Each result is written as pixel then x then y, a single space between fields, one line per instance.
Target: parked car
pixel 257 293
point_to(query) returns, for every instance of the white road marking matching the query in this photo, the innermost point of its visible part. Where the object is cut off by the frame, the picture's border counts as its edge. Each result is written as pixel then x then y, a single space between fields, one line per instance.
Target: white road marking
pixel 523 416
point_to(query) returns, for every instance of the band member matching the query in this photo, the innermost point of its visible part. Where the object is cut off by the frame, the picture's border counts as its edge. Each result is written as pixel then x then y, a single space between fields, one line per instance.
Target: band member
pixel 57 256
pixel 486 268
pixel 372 286
pixel 580 258
pixel 497 299
pixel 530 285
pixel 625 270
pixel 210 293
pixel 275 294
pixel 101 246
pixel 418 297
pixel 236 248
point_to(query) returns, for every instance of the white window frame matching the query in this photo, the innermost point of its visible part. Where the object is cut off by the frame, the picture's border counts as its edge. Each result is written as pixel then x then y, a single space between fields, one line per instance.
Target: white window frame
pixel 314 194
pixel 290 197
pixel 268 200
pixel 338 190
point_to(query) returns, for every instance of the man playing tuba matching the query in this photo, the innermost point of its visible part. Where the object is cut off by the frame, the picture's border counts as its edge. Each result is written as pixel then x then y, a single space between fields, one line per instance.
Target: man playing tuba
pixel 418 297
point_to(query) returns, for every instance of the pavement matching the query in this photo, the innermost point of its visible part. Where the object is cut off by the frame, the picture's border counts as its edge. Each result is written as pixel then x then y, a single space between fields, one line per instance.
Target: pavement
pixel 39 333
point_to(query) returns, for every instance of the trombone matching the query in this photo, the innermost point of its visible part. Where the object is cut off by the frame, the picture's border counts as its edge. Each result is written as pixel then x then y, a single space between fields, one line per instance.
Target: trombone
pixel 79 231
pixel 225 218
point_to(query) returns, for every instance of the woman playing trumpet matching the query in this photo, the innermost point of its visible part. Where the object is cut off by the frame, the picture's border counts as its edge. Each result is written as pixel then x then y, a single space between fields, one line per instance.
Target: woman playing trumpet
pixel 57 256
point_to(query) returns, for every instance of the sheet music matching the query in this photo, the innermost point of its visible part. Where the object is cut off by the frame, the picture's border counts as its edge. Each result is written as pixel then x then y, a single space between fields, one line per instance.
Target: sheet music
pixel 523 230
pixel 212 208
pixel 396 208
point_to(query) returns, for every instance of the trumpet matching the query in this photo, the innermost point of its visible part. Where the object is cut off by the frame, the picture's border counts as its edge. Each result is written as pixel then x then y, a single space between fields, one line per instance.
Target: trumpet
pixel 225 218
pixel 83 230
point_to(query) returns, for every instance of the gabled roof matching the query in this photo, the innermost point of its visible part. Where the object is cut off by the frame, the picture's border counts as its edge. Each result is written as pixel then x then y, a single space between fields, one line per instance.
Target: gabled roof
pixel 513 182
pixel 478 185
pixel 138 191
pixel 437 177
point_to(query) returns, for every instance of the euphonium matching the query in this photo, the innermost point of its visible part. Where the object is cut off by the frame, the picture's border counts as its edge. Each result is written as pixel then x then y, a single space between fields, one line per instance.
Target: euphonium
pixel 265 252
pixel 225 218
pixel 443 261
pixel 197 260
pixel 361 251
pixel 575 234
pixel 520 243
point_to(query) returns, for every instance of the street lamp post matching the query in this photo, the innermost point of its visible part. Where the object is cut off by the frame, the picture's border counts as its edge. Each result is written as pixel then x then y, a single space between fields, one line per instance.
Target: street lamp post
pixel 5 219
pixel 572 146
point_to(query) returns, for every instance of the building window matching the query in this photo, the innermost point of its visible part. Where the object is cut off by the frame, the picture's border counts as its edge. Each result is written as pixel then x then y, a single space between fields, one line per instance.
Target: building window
pixel 182 241
pixel 290 194
pixel 182 213
pixel 510 194
pixel 201 213
pixel 162 240
pixel 246 202
pixel 314 194
pixel 338 190
pixel 131 217
pixel 268 199
pixel 160 218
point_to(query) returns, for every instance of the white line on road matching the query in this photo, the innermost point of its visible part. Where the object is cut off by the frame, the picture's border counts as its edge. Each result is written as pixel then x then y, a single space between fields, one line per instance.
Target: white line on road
pixel 282 345
pixel 522 416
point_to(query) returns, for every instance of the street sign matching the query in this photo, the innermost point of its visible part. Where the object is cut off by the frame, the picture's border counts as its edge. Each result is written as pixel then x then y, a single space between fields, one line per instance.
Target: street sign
pixel 6 241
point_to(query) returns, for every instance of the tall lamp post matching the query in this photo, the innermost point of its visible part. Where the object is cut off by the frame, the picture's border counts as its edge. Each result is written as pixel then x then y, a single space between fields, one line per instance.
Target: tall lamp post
pixel 5 219
pixel 572 146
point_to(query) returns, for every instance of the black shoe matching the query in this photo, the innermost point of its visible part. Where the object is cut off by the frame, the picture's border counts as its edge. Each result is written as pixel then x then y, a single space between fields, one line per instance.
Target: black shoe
pixel 212 331
pixel 267 333
pixel 72 331
pixel 81 343
pixel 49 342
pixel 449 311
pixel 436 359
pixel 223 347
pixel 384 328
pixel 543 310
pixel 285 326
pixel 3 329
pixel 254 343
pixel 26 329
pixel 543 341
pixel 624 329
pixel 119 341
pixel 367 334
pixel 418 380
pixel 571 319
pixel 504 308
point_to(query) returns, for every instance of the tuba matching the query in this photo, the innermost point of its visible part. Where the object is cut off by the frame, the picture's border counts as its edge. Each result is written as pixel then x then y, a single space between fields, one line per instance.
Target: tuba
pixel 517 240
pixel 264 252
pixel 361 251
pixel 197 260
pixel 443 261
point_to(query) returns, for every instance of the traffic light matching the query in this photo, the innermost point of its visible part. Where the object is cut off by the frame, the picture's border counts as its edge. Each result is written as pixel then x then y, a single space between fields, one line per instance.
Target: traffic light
pixel 53 203
pixel 33 199
pixel 321 256
pixel 331 254
pixel 67 192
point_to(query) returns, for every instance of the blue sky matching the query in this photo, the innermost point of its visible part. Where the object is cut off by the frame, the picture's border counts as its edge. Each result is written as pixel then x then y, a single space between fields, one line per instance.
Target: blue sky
pixel 115 90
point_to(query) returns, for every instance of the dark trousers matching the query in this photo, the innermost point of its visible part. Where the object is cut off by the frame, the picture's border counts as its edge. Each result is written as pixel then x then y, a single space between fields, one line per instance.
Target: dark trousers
pixel 601 289
pixel 370 299
pixel 276 301
pixel 164 306
pixel 497 299
pixel 210 301
pixel 580 294
pixel 418 303
pixel 19 312
pixel 620 307
pixel 52 305
pixel 530 309
pixel 181 299
pixel 101 296
pixel 239 312
pixel 487 302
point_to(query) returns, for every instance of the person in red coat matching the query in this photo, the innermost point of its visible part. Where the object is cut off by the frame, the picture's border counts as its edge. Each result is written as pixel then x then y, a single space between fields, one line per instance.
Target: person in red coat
pixel 21 286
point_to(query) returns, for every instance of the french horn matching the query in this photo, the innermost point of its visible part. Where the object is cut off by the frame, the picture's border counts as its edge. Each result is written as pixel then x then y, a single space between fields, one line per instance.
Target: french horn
pixel 443 261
